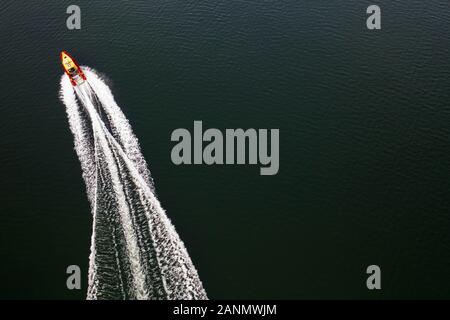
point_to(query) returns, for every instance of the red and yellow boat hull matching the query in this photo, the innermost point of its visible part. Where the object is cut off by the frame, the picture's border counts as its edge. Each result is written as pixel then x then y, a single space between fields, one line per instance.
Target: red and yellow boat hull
pixel 72 69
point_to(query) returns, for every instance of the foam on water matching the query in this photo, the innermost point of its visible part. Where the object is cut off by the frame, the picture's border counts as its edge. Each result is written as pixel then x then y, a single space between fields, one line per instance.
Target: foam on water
pixel 135 251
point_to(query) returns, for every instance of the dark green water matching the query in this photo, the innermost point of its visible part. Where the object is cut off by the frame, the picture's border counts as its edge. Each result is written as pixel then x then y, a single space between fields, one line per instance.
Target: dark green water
pixel 364 121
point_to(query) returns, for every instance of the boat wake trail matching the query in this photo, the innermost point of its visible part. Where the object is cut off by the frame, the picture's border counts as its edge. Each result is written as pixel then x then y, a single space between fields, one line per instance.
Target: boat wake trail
pixel 135 251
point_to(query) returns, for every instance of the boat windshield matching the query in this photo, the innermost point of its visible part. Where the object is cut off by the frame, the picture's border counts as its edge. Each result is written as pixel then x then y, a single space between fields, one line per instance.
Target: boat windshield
pixel 72 70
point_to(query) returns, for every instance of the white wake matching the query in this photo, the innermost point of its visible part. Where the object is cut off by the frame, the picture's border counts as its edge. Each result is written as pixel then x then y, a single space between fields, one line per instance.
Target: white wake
pixel 135 251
